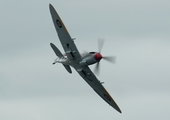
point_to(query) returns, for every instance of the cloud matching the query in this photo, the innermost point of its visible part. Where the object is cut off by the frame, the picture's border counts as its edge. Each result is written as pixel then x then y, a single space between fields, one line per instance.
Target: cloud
pixel 136 32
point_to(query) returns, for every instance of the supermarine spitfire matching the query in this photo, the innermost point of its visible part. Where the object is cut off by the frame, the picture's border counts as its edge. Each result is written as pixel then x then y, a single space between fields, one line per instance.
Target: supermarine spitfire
pixel 80 62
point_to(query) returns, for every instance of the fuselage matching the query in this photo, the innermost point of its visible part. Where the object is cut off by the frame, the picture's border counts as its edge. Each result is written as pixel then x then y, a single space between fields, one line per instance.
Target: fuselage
pixel 78 61
pixel 88 58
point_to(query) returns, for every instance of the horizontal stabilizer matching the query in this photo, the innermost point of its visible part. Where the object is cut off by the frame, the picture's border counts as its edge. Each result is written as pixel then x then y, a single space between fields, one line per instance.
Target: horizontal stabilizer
pixel 56 50
pixel 58 53
pixel 67 67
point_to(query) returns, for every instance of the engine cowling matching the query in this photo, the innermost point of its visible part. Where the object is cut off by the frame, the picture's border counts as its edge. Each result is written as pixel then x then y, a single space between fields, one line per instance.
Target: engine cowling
pixel 93 58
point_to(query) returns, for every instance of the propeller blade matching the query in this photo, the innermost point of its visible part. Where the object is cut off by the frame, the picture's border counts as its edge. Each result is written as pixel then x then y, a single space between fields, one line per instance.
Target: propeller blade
pixel 97 68
pixel 111 59
pixel 100 44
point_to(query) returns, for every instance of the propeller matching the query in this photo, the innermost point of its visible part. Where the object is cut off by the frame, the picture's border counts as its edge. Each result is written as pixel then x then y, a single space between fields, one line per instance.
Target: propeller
pixel 98 56
pixel 100 44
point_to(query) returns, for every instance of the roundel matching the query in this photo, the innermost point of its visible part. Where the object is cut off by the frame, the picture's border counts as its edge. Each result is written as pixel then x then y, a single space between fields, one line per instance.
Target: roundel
pixel 59 23
pixel 107 97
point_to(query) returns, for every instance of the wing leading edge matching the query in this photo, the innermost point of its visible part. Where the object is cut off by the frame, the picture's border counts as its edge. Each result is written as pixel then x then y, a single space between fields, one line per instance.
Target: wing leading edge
pixel 64 37
pixel 97 86
pixel 74 55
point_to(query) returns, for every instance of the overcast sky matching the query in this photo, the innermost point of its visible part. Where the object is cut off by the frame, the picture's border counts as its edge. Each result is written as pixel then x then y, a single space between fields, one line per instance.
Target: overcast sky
pixel 137 32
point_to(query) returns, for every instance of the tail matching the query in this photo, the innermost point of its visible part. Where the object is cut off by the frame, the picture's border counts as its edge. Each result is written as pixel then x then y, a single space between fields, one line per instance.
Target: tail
pixel 60 55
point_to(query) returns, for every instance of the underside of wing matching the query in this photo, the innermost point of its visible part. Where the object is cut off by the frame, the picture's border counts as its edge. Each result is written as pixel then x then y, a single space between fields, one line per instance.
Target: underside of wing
pixel 65 39
pixel 74 56
pixel 97 86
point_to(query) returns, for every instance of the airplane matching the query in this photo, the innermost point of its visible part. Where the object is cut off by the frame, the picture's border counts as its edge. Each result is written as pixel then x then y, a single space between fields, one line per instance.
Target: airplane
pixel 80 62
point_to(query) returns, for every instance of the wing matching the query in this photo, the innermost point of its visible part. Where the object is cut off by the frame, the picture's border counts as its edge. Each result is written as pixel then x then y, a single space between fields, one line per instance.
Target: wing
pixel 97 86
pixel 65 39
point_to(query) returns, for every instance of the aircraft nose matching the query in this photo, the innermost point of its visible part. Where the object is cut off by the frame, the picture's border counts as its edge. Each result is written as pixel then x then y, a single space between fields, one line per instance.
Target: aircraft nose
pixel 98 56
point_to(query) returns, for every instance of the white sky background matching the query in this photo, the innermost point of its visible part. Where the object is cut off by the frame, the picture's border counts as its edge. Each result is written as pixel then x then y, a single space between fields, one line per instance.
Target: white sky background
pixel 137 32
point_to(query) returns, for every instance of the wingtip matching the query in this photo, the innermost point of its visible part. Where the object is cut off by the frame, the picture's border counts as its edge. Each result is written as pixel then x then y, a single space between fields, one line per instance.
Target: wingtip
pixel 50 6
pixel 120 111
pixel 51 44
pixel 116 107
